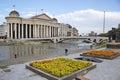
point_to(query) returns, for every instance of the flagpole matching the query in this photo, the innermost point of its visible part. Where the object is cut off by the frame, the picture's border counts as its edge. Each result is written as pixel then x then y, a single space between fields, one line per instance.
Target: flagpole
pixel 41 10
pixel 14 7
pixel 104 23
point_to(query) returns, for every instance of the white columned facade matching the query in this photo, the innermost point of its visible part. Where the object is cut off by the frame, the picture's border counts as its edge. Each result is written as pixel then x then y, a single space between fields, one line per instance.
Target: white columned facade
pixel 19 30
pixel 40 26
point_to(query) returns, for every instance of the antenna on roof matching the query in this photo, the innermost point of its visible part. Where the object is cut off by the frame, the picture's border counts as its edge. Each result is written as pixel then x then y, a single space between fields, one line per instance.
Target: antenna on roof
pixel 14 7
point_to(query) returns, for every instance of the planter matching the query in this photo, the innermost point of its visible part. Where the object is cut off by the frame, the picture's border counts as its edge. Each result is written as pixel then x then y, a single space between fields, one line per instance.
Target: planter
pixel 50 76
pixel 101 55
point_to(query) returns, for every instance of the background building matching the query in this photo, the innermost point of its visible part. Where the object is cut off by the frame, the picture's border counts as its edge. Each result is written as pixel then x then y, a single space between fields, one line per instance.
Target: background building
pixel 3 32
pixel 92 33
pixel 75 32
pixel 118 25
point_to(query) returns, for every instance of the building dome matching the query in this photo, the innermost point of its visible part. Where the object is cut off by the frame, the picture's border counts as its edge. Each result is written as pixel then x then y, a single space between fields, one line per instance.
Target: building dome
pixel 54 19
pixel 14 14
pixel 68 25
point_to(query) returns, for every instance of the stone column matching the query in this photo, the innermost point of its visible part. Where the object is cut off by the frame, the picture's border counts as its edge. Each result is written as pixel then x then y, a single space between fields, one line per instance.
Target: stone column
pixel 53 31
pixel 41 31
pixel 15 26
pixel 22 25
pixel 38 31
pixel 30 31
pixel 11 31
pixel 8 30
pixel 49 31
pixel 18 31
pixel 12 26
pixel 58 32
pixel 35 31
pixel 26 31
pixel 44 31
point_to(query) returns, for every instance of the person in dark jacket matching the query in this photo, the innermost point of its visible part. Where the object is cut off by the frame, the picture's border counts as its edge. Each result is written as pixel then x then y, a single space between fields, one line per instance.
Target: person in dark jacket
pixel 66 52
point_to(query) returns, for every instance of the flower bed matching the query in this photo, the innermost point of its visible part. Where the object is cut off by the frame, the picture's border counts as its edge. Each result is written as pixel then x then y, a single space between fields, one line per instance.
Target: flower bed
pixel 101 53
pixel 60 67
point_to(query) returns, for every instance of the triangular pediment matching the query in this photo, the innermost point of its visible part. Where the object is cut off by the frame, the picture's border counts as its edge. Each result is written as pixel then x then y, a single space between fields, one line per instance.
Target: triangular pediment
pixel 42 16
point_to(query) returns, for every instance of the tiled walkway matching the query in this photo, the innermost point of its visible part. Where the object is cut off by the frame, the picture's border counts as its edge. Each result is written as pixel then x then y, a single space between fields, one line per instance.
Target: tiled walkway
pixel 107 70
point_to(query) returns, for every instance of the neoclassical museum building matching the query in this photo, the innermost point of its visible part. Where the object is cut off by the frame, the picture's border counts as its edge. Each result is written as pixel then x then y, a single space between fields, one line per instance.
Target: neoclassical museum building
pixel 39 26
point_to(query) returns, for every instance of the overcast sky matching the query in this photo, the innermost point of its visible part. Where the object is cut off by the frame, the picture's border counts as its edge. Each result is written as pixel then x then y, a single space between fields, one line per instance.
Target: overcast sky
pixel 85 15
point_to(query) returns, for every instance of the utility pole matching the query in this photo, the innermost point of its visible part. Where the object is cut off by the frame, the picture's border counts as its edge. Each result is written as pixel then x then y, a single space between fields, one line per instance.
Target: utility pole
pixel 104 23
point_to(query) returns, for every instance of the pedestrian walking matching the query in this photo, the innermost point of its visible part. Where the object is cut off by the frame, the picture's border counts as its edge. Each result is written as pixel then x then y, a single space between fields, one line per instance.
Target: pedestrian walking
pixel 15 56
pixel 91 46
pixel 66 52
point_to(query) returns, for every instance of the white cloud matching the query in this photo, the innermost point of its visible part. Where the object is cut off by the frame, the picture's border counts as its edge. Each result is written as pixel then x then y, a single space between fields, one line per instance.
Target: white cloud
pixel 85 20
pixel 2 18
pixel 29 15
pixel 90 20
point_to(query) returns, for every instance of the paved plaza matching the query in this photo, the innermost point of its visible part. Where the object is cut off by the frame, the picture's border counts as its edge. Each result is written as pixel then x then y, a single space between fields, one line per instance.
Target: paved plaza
pixel 107 70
